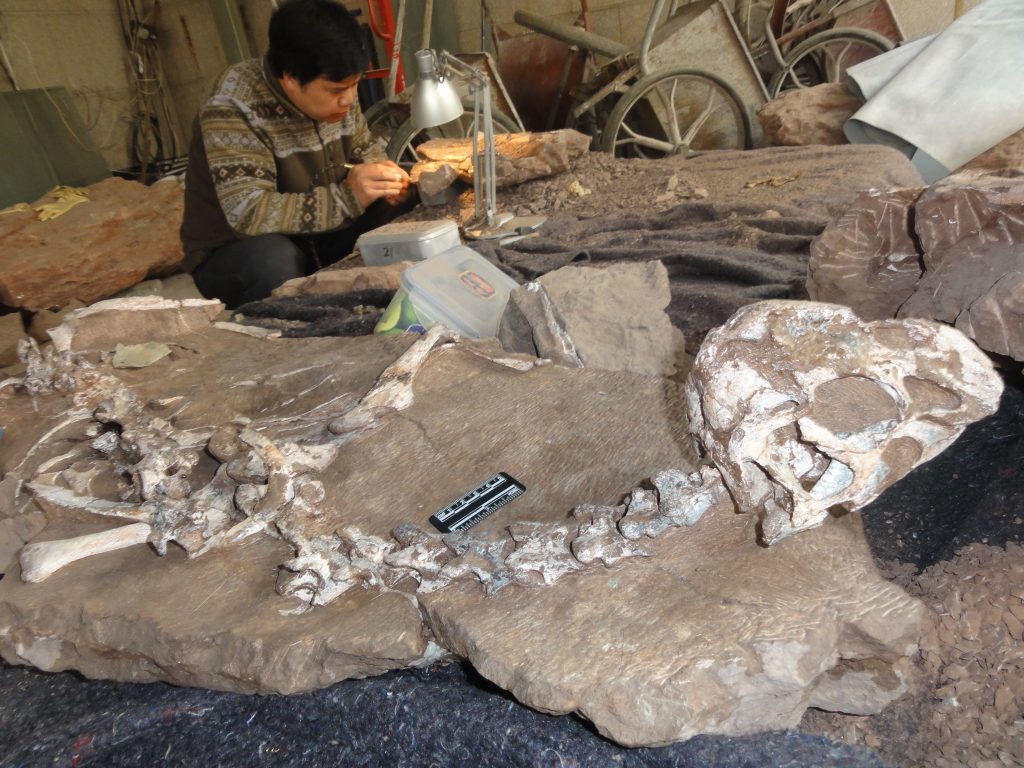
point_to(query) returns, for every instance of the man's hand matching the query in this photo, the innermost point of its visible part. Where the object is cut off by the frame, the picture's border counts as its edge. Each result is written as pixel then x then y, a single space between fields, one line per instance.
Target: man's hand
pixel 372 181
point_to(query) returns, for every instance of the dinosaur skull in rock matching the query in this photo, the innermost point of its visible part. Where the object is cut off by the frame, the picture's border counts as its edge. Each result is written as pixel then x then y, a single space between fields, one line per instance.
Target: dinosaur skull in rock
pixel 803 407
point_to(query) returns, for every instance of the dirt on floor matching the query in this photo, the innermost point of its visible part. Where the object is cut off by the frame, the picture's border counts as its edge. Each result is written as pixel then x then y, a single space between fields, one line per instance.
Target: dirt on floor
pixel 966 706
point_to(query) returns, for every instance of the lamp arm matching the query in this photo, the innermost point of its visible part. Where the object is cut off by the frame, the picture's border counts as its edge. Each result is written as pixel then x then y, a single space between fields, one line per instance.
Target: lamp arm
pixel 485 194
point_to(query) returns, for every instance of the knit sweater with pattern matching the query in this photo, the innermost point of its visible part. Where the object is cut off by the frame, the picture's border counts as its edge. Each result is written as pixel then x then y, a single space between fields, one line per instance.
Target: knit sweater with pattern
pixel 258 165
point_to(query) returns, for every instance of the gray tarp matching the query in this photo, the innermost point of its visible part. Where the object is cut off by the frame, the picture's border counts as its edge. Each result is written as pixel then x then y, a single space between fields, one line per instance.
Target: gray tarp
pixel 946 99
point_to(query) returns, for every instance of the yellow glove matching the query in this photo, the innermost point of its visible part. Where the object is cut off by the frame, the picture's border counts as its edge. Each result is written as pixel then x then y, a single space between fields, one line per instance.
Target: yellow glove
pixel 67 198
pixel 16 208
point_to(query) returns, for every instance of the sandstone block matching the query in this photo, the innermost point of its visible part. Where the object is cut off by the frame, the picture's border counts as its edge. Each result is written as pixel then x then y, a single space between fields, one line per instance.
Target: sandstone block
pixel 132 321
pixel 520 156
pixel 803 116
pixel 868 258
pixel 385 278
pixel 978 288
pixel 611 318
pixel 1004 159
pixel 124 233
pixel 968 208
pixel 12 330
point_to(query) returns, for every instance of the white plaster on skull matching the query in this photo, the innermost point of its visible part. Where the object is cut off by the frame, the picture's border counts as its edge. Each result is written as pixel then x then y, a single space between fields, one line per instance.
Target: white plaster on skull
pixel 803 407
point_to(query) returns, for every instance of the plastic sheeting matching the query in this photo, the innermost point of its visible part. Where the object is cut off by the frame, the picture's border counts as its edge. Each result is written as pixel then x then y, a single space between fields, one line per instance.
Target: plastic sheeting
pixel 946 99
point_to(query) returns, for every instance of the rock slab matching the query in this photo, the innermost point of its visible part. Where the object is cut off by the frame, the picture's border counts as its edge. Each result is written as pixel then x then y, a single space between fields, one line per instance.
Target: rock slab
pixel 124 233
pixel 611 317
pixel 520 157
pixel 804 116
pixel 868 259
pixel 661 648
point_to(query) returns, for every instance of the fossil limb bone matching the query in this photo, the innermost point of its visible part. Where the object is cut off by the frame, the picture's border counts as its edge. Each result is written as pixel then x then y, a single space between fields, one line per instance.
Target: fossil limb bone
pixel 41 560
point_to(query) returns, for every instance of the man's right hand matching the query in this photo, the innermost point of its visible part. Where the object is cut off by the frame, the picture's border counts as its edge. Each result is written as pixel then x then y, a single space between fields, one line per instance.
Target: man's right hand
pixel 372 181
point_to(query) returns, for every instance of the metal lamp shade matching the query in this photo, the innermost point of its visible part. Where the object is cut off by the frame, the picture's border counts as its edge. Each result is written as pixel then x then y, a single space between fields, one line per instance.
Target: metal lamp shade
pixel 434 101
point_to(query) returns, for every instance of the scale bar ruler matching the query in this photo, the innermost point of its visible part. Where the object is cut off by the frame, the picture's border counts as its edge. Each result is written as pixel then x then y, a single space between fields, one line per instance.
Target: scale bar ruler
pixel 481 502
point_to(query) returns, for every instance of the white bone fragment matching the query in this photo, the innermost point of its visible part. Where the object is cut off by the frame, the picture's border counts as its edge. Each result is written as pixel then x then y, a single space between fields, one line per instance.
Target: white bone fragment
pixel 38 561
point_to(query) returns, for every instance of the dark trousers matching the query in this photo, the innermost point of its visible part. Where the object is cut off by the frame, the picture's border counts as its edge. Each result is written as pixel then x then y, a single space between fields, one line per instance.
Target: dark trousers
pixel 249 269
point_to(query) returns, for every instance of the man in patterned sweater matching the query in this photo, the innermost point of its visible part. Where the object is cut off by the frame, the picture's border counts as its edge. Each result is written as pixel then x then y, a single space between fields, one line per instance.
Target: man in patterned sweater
pixel 283 173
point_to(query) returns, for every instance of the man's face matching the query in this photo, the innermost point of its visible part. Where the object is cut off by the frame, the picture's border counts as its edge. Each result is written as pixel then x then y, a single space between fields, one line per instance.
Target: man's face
pixel 321 99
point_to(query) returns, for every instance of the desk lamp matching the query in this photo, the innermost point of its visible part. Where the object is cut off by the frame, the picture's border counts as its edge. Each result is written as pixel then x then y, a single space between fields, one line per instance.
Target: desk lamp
pixel 436 102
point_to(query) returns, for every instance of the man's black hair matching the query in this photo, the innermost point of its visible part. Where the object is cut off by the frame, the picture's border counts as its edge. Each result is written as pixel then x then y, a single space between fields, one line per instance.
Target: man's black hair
pixel 314 38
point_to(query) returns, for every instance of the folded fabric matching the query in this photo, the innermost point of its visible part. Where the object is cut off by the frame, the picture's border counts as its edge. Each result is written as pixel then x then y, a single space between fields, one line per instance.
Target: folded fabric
pixel 946 99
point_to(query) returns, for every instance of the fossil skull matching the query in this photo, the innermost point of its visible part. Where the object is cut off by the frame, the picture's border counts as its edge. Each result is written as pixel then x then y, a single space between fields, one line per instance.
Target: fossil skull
pixel 803 407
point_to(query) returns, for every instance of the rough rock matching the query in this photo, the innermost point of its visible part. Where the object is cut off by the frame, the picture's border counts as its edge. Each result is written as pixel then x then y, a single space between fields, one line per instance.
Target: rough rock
pixel 385 277
pixel 133 321
pixel 803 407
pixel 454 434
pixel 12 331
pixel 977 211
pixel 1004 159
pixel 868 259
pixel 520 157
pixel 660 648
pixel 124 233
pixel 45 319
pixel 804 116
pixel 178 287
pixel 979 289
pixel 610 317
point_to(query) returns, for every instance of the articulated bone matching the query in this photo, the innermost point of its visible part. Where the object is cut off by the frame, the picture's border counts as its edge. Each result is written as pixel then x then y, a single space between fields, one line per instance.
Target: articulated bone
pixel 41 560
pixel 393 390
pixel 803 407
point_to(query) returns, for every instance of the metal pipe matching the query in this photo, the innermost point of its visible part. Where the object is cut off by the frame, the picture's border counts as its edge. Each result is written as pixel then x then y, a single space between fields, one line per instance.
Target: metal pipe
pixel 645 44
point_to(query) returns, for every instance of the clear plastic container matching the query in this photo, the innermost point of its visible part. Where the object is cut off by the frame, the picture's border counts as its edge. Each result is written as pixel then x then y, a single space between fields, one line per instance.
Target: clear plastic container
pixel 407 241
pixel 458 288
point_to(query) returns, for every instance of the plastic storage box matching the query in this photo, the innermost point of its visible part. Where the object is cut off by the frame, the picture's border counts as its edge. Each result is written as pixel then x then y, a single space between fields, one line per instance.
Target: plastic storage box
pixel 459 288
pixel 407 241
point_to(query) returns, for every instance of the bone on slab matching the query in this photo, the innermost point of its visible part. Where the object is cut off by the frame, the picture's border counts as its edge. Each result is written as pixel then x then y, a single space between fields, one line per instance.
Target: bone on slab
pixel 38 561
pixel 803 406
pixel 393 390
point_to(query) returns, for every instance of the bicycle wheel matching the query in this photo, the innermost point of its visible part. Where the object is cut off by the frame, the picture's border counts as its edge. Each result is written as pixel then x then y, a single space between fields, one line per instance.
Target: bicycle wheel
pixel 384 118
pixel 403 143
pixel 676 111
pixel 825 57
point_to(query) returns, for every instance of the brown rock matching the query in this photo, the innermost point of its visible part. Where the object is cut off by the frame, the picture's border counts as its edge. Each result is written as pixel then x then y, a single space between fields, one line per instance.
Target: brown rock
pixel 1005 158
pixel 979 211
pixel 125 232
pixel 979 288
pixel 520 156
pixel 12 330
pixel 868 259
pixel 814 115
pixel 45 319
pixel 660 648
pixel 132 321
pixel 112 618
pixel 345 280
pixel 612 318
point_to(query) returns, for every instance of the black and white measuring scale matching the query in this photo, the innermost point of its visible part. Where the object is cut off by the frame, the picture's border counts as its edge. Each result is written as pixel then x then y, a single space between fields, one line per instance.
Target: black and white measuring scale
pixel 480 503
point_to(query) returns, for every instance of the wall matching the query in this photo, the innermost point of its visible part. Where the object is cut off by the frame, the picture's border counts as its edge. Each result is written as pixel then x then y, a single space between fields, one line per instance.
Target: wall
pixel 78 44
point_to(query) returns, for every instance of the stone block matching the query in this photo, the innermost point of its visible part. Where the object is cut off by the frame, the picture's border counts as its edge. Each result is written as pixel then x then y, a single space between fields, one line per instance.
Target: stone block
pixel 868 259
pixel 520 156
pixel 611 318
pixel 12 330
pixel 123 234
pixel 135 320
pixel 804 116
pixel 969 208
pixel 978 288
pixel 384 277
